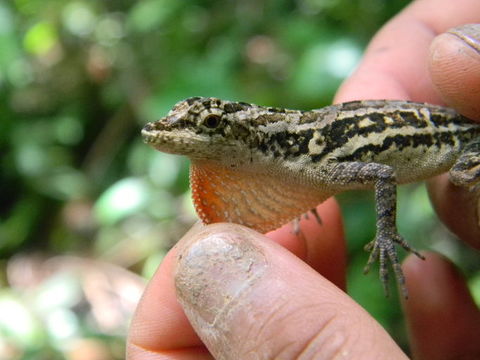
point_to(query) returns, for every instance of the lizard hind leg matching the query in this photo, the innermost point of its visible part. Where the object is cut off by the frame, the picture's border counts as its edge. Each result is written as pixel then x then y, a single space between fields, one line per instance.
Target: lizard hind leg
pixel 383 246
pixel 466 170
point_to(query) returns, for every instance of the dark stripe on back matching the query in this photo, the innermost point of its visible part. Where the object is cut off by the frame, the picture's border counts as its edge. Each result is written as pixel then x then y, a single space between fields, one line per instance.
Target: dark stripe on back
pixel 339 132
pixel 413 141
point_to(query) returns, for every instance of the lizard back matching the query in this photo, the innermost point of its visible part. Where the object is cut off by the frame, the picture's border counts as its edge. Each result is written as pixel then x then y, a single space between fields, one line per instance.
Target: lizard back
pixel 418 140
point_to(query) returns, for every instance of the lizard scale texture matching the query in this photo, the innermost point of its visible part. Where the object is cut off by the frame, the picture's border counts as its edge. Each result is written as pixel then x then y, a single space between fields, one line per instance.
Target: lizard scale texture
pixel 263 166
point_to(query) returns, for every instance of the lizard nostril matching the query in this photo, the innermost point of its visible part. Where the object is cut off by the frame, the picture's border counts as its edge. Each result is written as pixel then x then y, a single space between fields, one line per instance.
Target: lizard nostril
pixel 148 127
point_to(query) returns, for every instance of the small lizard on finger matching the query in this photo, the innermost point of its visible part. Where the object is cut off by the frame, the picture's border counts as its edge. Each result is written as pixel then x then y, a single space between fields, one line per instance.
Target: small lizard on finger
pixel 262 166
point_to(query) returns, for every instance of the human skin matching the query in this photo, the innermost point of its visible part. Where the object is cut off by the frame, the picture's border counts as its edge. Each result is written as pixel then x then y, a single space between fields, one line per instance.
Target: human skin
pixel 227 292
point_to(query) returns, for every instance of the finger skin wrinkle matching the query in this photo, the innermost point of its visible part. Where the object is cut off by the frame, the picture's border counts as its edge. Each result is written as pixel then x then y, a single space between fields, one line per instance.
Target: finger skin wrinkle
pixel 322 335
pixel 328 342
pixel 271 326
pixel 285 333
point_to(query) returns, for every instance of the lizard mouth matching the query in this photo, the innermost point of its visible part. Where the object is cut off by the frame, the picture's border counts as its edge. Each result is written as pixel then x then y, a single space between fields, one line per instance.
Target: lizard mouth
pixel 171 140
pixel 161 131
pixel 150 133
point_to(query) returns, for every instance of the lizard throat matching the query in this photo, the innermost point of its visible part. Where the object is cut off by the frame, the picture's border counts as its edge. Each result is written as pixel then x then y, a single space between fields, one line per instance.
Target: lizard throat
pixel 261 202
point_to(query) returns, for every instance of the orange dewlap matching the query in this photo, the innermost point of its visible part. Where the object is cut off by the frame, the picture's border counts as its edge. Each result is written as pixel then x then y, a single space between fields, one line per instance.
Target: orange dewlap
pixel 262 202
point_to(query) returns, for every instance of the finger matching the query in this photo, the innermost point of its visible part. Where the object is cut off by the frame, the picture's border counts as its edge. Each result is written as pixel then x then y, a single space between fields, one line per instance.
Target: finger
pixel 395 65
pixel 457 207
pixel 443 321
pixel 159 328
pixel 455 68
pixel 248 297
pixel 322 246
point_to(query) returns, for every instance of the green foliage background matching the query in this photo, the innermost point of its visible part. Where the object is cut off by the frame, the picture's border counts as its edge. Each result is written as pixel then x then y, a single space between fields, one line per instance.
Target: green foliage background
pixel 78 79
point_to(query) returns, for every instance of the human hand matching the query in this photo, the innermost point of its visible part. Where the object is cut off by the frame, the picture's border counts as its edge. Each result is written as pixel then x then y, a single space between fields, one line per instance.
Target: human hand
pixel 407 60
pixel 247 297
pixel 421 56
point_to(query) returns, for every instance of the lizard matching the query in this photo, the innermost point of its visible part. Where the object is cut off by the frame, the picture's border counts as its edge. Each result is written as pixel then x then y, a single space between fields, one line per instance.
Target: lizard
pixel 264 166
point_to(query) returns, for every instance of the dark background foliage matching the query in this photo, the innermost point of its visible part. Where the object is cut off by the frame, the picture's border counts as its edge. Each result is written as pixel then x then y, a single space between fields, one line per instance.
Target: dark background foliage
pixel 87 210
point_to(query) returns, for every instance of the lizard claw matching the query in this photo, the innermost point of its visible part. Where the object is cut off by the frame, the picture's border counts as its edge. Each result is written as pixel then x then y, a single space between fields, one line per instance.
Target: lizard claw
pixel 383 249
pixel 317 216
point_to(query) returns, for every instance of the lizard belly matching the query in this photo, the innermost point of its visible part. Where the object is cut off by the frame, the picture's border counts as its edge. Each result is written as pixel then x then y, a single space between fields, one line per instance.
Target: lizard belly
pixel 262 202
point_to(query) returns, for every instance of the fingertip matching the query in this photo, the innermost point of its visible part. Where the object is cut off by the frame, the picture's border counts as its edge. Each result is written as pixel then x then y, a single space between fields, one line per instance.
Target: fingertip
pixel 159 325
pixel 457 207
pixel 426 279
pixel 245 294
pixel 454 64
pixel 369 82
pixel 442 318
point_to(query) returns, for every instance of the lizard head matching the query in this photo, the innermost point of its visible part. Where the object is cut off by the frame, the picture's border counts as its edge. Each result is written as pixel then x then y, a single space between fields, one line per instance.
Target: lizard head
pixel 202 128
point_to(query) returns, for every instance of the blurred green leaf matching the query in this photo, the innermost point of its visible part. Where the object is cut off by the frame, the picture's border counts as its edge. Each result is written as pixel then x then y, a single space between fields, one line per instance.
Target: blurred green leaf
pixel 17 321
pixel 79 18
pixel 125 197
pixel 323 66
pixel 20 72
pixel 60 291
pixel 147 15
pixel 164 169
pixel 6 20
pixel 63 183
pixel 19 225
pixel 474 285
pixel 68 130
pixel 152 263
pixel 40 38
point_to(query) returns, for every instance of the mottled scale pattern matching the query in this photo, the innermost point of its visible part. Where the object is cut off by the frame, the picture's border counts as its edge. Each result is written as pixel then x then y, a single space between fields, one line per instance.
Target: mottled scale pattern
pixel 263 166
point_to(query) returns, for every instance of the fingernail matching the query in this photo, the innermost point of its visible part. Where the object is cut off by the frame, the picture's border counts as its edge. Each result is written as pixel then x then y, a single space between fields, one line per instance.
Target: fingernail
pixel 215 269
pixel 470 34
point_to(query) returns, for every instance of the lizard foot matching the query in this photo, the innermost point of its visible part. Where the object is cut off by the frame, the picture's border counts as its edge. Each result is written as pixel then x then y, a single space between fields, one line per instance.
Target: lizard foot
pixel 317 216
pixel 296 222
pixel 383 248
pixel 296 226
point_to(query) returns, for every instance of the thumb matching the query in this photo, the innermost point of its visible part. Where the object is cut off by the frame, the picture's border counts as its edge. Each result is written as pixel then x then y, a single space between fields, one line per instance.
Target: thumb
pixel 455 71
pixel 455 68
pixel 249 298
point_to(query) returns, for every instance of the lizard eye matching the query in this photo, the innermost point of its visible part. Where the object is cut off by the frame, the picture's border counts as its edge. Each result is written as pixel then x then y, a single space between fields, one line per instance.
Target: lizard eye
pixel 212 121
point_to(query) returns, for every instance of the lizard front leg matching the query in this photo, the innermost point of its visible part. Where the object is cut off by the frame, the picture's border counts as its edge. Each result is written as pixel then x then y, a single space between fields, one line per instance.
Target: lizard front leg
pixel 382 177
pixel 466 170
